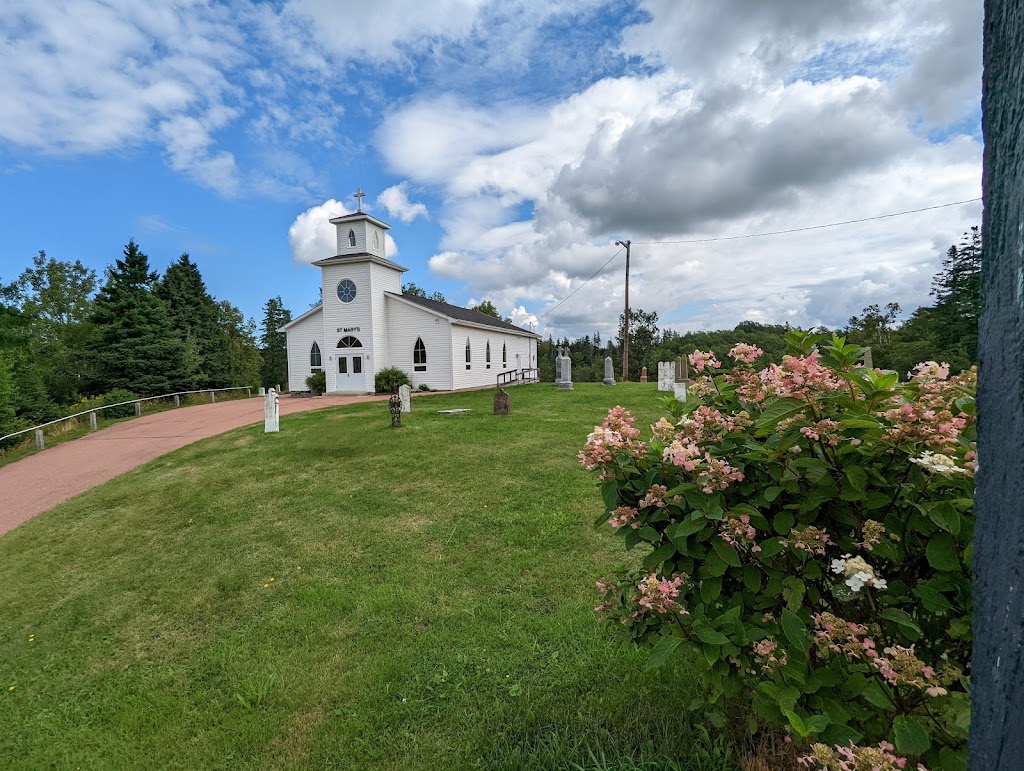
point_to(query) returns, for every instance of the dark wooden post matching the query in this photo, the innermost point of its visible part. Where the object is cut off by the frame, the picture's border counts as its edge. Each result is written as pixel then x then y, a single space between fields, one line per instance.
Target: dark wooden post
pixel 997 671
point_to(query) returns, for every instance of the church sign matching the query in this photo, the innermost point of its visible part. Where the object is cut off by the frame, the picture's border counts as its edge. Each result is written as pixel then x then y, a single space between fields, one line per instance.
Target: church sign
pixel 348 329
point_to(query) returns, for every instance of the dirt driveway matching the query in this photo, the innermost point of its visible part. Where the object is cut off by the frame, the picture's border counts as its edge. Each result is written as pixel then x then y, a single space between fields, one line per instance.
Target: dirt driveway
pixel 39 482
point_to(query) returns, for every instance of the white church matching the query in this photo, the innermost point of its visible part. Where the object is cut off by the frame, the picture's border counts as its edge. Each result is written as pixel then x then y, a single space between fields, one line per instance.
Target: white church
pixel 365 324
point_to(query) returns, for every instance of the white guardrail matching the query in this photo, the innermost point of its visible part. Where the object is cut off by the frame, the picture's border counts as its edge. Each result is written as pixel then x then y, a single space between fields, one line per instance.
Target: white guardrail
pixel 138 410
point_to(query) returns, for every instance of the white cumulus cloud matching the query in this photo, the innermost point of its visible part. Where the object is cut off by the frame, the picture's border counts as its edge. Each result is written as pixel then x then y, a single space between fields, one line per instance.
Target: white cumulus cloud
pixel 396 200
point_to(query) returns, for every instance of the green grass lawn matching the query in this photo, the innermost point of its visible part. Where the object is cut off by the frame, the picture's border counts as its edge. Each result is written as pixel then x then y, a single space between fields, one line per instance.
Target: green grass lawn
pixel 340 595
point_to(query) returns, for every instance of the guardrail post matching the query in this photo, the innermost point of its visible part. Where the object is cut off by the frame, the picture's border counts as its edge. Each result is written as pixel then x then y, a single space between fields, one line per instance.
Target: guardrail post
pixel 177 400
pixel 213 397
pixel 40 443
pixel 138 409
pixel 248 393
pixel 92 421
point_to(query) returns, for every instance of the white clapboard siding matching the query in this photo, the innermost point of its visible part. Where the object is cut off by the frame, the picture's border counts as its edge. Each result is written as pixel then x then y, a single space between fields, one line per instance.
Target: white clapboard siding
pixel 300 341
pixel 355 316
pixel 406 322
pixel 478 373
pixel 382 279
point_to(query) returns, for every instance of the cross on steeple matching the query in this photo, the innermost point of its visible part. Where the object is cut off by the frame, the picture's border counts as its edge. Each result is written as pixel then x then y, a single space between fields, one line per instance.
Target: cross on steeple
pixel 359 195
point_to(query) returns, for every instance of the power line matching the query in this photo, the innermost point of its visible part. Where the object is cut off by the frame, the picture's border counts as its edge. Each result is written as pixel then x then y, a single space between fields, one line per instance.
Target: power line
pixel 574 291
pixel 759 235
pixel 811 227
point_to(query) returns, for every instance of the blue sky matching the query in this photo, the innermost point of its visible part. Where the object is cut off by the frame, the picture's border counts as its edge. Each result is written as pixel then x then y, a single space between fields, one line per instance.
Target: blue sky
pixel 509 144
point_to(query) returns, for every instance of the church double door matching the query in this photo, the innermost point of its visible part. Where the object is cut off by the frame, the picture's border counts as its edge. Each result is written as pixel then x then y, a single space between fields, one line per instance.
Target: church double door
pixel 349 356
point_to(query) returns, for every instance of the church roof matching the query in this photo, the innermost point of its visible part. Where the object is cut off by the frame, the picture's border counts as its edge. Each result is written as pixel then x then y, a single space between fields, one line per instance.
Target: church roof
pixel 360 257
pixel 456 313
pixel 359 215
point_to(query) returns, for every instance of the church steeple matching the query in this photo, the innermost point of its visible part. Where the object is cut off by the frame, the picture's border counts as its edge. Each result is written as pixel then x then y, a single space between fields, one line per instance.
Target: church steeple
pixel 359 233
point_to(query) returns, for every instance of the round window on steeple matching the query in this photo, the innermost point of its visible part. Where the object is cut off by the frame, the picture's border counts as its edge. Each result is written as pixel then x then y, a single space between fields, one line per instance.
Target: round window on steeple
pixel 346 290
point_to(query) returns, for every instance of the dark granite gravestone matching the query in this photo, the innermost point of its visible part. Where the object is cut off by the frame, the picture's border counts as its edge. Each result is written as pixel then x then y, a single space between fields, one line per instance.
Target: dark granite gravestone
pixel 501 402
pixel 997 669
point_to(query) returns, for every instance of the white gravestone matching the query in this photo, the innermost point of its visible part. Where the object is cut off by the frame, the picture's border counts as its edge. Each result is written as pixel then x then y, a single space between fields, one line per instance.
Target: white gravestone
pixel 405 394
pixel 609 371
pixel 566 382
pixel 666 376
pixel 263 391
pixel 558 366
pixel 271 413
pixel 680 391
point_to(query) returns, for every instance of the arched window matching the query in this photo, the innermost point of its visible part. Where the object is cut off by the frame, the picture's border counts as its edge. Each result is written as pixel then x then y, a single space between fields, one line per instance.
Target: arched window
pixel 419 356
pixel 376 240
pixel 351 238
pixel 315 361
pixel 504 356
pixel 487 355
pixel 349 342
pixel 467 354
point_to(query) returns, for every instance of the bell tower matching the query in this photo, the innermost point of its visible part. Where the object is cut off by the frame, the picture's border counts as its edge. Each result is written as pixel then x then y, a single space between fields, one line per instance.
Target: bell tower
pixel 359 233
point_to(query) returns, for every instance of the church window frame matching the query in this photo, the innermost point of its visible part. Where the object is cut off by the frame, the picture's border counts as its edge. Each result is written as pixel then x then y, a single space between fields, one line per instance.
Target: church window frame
pixel 347 290
pixel 487 355
pixel 419 356
pixel 348 341
pixel 316 360
pixel 351 237
pixel 504 356
pixel 376 239
pixel 469 355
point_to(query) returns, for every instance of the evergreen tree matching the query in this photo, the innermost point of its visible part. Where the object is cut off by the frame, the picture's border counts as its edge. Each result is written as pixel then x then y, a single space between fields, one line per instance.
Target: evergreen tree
pixel 487 307
pixel 195 317
pixel 957 291
pixel 244 359
pixel 136 347
pixel 273 343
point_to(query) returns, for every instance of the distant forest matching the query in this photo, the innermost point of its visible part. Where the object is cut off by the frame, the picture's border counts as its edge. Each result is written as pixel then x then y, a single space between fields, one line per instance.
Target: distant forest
pixel 67 339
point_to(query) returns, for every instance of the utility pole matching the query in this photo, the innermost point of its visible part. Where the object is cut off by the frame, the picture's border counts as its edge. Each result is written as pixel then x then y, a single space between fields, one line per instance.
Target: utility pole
pixel 625 331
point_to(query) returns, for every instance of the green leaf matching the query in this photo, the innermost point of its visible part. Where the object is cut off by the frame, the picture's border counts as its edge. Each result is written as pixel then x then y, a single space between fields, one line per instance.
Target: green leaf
pixel 941 553
pixel 710 589
pixel 817 723
pixel 953 760
pixel 709 635
pixel 714 564
pixel 932 599
pixel 909 736
pixel 726 552
pixel 771 493
pixel 770 547
pixel 858 477
pixel 689 526
pixel 947 517
pixel 783 522
pixel 778 410
pixel 665 647
pixel 903 620
pixel 794 629
pixel 752 578
pixel 797 723
pixel 793 592
pixel 658 556
pixel 610 494
pixel 874 694
pixel 649 534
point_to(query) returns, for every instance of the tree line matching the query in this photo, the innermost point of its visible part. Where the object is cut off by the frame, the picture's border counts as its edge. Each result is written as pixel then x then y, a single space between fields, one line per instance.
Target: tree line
pixel 945 331
pixel 66 336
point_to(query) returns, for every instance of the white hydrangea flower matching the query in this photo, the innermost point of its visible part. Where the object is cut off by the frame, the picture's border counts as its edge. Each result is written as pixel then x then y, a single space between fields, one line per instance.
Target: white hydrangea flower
pixel 857 572
pixel 938 463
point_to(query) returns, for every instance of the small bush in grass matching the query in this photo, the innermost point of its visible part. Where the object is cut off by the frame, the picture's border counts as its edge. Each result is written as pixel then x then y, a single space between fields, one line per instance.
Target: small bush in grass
pixel 317 383
pixel 423 387
pixel 389 379
pixel 809 532
pixel 116 396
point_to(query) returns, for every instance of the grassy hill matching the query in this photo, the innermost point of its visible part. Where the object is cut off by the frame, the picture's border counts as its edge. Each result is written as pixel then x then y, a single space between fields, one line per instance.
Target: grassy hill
pixel 340 595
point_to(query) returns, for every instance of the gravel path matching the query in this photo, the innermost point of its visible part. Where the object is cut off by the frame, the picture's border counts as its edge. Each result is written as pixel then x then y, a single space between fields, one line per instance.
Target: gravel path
pixel 39 482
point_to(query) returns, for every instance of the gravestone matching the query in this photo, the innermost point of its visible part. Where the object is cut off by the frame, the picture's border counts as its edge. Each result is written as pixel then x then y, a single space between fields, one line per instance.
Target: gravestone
pixel 679 390
pixel 271 413
pixel 643 374
pixel 609 371
pixel 558 366
pixel 868 362
pixel 263 391
pixel 682 370
pixel 566 383
pixel 666 375
pixel 405 394
pixel 501 402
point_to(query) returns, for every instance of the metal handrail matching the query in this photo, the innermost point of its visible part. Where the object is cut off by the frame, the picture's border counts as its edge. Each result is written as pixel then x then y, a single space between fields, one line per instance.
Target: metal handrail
pixel 121 404
pixel 518 376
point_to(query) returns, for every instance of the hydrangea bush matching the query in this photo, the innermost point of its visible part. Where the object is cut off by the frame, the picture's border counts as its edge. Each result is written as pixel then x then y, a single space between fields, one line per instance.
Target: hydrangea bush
pixel 809 545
